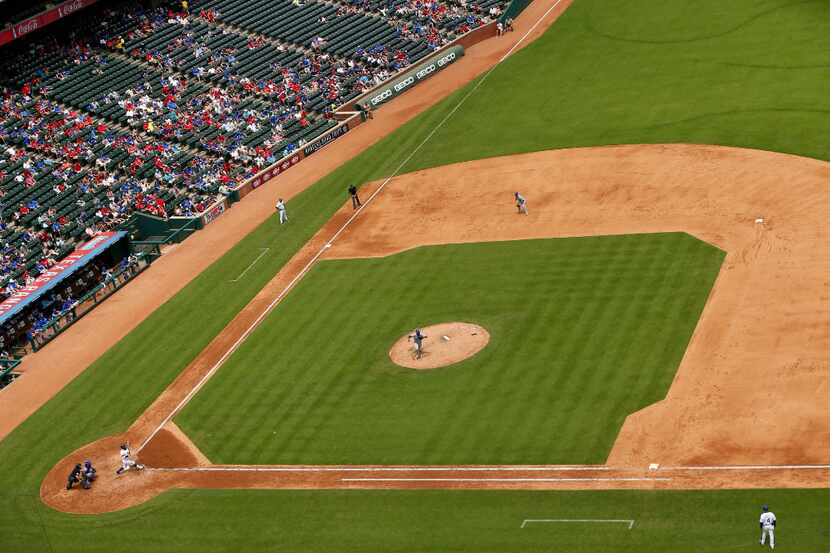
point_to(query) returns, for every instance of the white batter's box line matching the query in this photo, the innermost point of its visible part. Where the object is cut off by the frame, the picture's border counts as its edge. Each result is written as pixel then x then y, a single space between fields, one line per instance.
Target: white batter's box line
pixel 564 479
pixel 628 521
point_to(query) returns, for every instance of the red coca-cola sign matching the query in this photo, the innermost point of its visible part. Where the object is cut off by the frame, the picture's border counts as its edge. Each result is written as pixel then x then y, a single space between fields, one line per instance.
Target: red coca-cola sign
pixel 71 7
pixel 27 26
pixel 45 18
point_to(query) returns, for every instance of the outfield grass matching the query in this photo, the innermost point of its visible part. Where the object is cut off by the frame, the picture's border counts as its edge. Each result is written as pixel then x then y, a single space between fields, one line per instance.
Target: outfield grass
pixel 211 521
pixel 583 332
pixel 751 73
pixel 607 72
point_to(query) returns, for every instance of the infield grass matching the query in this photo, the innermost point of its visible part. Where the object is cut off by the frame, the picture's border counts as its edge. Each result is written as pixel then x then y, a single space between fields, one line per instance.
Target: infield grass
pixel 752 73
pixel 583 332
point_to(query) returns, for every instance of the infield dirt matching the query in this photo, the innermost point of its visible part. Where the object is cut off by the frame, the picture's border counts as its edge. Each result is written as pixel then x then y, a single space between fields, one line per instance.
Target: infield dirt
pixel 748 391
pixel 757 367
pixel 751 382
pixel 50 369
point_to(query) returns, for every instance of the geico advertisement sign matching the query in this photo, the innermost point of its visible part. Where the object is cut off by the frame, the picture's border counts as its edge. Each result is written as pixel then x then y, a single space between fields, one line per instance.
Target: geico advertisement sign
pixel 437 64
pixel 404 83
pixel 409 81
pixel 382 96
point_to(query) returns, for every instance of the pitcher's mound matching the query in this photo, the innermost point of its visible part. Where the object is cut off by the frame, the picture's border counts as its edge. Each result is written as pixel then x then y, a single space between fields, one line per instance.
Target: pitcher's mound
pixel 445 344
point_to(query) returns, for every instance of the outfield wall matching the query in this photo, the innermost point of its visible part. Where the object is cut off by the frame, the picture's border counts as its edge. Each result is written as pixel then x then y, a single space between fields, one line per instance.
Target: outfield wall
pixel 409 79
pixel 294 158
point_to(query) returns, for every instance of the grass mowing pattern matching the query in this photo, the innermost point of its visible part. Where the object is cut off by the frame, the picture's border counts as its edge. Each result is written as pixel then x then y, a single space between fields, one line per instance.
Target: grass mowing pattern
pixel 432 521
pixel 584 331
pixel 751 73
pixel 762 83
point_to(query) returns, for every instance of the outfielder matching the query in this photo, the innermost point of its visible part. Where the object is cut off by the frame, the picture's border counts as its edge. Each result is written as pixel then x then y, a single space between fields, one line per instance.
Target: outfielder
pixel 127 462
pixel 282 212
pixel 418 338
pixel 521 203
pixel 767 523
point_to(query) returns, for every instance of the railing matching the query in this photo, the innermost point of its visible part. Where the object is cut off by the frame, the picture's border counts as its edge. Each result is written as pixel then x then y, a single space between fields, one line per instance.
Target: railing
pixel 151 249
pixel 6 367
pixel 163 229
pixel 514 9
pixel 88 302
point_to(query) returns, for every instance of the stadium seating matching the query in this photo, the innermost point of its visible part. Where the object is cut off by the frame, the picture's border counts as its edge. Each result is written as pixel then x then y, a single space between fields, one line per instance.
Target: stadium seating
pixel 165 112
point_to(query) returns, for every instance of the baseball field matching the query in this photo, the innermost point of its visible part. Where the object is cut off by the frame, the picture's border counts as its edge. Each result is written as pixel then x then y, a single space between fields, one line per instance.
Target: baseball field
pixel 662 302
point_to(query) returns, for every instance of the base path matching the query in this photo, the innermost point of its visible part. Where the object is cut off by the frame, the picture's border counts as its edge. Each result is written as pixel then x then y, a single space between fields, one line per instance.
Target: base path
pixel 757 370
pixel 748 390
pixel 46 372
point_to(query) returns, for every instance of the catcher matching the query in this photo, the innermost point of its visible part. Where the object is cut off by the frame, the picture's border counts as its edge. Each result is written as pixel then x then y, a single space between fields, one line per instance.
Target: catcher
pixel 88 475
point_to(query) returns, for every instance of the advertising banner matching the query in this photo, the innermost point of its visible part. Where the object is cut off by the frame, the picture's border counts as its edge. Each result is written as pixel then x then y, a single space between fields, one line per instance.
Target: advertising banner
pixel 412 77
pixel 330 136
pixel 58 272
pixel 42 19
pixel 214 212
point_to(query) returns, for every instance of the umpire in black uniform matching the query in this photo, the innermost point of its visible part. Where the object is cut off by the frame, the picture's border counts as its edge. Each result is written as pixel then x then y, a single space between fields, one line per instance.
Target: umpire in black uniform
pixel 355 198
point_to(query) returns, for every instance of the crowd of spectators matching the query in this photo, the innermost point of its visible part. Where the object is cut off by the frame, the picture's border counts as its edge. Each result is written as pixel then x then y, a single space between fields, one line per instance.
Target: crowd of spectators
pixel 433 21
pixel 208 109
pixel 87 156
pixel 314 73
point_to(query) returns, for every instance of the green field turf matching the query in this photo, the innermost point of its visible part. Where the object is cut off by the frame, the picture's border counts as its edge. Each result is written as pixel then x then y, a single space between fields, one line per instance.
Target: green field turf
pixel 209 521
pixel 751 73
pixel 744 72
pixel 583 332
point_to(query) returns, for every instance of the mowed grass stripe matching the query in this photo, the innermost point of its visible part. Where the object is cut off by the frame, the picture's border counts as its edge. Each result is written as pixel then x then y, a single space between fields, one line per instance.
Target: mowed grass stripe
pixel 582 330
pixel 758 84
pixel 762 85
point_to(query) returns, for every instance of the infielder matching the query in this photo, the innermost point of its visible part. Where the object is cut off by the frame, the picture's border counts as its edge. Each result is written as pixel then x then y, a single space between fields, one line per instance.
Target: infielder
pixel 521 203
pixel 767 524
pixel 282 212
pixel 127 461
pixel 418 338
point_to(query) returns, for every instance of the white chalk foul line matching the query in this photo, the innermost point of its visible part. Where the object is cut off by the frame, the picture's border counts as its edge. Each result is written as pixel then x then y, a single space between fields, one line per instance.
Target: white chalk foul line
pixel 474 469
pixel 264 251
pixel 414 468
pixel 340 231
pixel 416 479
pixel 630 522
pixel 748 467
